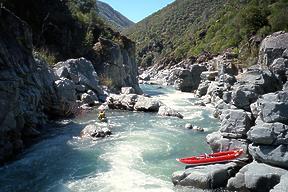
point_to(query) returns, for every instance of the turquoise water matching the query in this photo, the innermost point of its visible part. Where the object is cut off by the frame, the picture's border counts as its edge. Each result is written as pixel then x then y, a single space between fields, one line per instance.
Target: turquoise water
pixel 139 156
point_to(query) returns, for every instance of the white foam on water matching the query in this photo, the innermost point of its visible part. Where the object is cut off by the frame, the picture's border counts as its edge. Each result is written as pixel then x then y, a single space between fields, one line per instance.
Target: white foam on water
pixel 123 175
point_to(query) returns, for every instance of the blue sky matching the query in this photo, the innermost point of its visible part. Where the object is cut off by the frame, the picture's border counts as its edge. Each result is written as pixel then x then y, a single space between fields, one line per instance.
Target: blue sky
pixel 136 10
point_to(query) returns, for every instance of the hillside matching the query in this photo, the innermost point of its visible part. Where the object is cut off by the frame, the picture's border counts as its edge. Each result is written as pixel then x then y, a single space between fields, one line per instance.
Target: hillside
pixel 62 29
pixel 189 28
pixel 113 17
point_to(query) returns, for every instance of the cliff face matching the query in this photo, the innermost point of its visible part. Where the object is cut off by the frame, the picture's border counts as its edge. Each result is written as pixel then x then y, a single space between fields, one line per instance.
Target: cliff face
pixel 26 87
pixel 116 63
pixel 113 17
pixel 31 92
pixel 70 29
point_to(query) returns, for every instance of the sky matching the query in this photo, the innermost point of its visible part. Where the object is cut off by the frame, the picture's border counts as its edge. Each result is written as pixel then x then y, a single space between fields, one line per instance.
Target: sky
pixel 136 10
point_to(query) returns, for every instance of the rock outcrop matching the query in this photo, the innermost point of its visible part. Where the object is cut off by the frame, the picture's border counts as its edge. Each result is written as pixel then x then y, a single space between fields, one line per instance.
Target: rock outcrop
pixel 253 112
pixel 133 102
pixel 206 177
pixel 184 76
pixel 82 76
pixel 81 72
pixel 273 47
pixel 116 64
pixel 28 92
pixel 256 177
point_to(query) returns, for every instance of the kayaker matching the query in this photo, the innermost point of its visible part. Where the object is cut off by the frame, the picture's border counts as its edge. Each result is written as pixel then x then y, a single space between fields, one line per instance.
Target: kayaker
pixel 101 115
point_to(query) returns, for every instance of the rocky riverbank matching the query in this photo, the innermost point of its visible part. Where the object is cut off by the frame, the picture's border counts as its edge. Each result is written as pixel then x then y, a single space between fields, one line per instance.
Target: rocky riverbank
pixel 252 106
pixel 33 92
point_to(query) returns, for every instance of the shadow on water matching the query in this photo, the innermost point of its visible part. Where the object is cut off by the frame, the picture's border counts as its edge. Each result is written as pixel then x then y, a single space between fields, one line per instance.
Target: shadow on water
pixel 139 156
pixel 46 165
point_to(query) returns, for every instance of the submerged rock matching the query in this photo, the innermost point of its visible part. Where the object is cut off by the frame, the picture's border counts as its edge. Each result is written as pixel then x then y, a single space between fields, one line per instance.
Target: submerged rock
pixel 205 177
pixel 91 131
pixel 189 126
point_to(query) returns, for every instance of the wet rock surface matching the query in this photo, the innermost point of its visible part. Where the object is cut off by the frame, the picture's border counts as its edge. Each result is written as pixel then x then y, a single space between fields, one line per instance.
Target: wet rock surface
pixel 206 177
pixel 252 109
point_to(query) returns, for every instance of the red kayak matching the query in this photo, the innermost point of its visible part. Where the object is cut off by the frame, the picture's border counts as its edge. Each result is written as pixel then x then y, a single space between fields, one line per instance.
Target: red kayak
pixel 212 158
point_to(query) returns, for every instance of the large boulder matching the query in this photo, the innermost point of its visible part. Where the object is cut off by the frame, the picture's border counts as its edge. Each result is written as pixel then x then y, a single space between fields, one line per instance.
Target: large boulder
pixel 94 131
pixel 167 111
pixel 280 68
pixel 127 90
pixel 209 75
pixel 272 155
pixel 125 102
pixel 188 79
pixel 269 134
pixel 257 177
pixel 146 104
pixel 203 88
pixel 272 47
pixel 66 89
pixel 133 102
pixel 243 95
pixel 236 122
pixel 282 185
pixel 81 72
pixel 273 107
pixel 251 85
pixel 89 98
pixel 205 177
pixel 218 142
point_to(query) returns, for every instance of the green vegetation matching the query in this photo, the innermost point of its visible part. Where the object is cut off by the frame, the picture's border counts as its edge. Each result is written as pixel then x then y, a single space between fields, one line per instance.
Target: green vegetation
pixel 45 55
pixel 61 29
pixel 106 81
pixel 187 28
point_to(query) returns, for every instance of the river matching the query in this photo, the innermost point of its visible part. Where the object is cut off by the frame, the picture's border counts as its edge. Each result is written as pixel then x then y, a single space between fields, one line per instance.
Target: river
pixel 139 156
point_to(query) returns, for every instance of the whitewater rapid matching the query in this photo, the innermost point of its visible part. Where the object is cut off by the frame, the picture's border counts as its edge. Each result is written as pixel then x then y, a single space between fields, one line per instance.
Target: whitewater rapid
pixel 139 156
